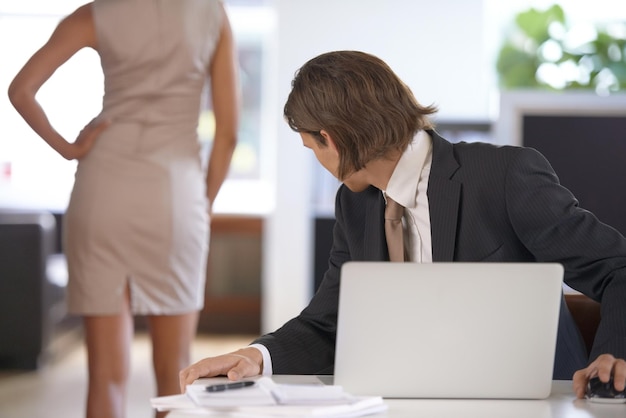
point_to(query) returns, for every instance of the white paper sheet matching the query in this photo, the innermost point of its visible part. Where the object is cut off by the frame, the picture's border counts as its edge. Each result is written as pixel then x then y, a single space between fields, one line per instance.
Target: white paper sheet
pixel 268 399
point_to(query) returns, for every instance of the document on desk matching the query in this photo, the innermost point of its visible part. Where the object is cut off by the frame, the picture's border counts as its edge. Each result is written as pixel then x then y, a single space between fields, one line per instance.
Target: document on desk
pixel 266 398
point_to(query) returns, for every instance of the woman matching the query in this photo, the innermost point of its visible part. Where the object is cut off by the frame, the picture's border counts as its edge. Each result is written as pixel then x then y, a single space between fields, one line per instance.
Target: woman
pixel 137 225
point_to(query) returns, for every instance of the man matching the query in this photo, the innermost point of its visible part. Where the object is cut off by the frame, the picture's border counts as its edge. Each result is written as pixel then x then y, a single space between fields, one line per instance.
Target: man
pixel 463 202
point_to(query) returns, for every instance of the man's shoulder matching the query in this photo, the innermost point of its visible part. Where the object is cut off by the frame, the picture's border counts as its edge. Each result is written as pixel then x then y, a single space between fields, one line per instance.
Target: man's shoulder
pixel 492 158
pixel 478 146
pixel 481 151
pixel 474 148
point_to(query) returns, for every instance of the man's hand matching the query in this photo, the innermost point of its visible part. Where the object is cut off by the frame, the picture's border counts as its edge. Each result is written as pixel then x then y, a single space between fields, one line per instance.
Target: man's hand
pixel 603 367
pixel 236 365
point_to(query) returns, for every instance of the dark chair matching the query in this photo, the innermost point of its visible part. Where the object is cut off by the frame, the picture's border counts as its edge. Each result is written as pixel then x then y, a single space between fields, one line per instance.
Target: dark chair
pixel 27 298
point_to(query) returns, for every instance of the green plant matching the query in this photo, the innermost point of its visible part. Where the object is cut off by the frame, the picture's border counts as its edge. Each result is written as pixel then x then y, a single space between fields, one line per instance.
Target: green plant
pixel 544 51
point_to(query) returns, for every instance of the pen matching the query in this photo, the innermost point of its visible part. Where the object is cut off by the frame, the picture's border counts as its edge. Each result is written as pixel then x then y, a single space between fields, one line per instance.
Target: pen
pixel 228 386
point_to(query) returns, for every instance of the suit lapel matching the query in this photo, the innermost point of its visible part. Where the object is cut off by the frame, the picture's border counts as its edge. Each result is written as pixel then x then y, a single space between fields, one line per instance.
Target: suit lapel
pixel 444 197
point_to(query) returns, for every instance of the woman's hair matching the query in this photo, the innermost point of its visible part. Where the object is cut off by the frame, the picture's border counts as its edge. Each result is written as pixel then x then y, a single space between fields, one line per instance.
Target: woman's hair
pixel 362 104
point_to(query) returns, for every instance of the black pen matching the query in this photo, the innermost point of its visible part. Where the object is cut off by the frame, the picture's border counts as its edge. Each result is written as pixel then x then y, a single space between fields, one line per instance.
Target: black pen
pixel 228 386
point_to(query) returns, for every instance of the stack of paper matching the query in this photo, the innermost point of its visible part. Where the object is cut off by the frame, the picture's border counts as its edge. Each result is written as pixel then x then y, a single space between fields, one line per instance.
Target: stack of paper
pixel 266 398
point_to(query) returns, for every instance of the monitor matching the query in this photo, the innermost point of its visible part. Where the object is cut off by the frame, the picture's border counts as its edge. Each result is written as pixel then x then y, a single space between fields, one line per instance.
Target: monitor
pixel 582 135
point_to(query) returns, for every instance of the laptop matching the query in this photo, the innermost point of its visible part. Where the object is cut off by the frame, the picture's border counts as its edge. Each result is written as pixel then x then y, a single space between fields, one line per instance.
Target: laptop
pixel 448 330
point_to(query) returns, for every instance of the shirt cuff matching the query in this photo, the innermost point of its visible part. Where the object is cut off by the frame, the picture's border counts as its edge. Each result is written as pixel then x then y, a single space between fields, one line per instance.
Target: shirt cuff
pixel 267 359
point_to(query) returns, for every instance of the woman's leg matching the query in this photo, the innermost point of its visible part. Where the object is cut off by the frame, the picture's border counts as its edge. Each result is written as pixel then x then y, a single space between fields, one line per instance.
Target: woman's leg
pixel 172 336
pixel 108 339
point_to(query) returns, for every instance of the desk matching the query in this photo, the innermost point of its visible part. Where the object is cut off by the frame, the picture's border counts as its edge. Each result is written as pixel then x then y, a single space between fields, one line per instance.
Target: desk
pixel 562 403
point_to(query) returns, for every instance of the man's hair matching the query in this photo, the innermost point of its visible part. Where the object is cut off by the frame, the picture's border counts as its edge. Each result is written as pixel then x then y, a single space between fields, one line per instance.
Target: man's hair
pixel 362 104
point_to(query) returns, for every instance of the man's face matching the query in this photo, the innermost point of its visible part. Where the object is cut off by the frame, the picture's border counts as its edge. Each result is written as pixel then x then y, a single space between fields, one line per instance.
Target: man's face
pixel 328 157
pixel 326 154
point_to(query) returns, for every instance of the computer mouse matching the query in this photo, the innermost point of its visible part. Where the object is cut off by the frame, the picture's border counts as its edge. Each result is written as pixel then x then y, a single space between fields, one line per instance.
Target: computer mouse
pixel 598 391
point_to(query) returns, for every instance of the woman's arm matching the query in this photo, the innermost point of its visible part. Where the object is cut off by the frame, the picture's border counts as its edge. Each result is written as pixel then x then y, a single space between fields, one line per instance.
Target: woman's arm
pixel 73 33
pixel 225 100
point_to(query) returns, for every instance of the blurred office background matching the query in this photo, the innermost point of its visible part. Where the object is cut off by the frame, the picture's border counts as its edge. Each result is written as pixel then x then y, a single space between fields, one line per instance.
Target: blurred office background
pixel 272 217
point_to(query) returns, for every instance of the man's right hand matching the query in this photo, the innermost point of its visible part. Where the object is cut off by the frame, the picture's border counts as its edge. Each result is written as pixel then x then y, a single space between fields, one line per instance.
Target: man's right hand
pixel 242 363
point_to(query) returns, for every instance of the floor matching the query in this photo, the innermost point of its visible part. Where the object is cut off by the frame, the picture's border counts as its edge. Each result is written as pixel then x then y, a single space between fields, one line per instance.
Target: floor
pixel 60 385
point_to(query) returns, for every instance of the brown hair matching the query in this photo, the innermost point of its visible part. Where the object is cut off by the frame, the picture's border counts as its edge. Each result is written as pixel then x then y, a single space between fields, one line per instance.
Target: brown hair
pixel 363 105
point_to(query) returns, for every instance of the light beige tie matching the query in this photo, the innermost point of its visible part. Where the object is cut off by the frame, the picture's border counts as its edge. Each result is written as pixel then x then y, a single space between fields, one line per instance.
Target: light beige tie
pixel 393 230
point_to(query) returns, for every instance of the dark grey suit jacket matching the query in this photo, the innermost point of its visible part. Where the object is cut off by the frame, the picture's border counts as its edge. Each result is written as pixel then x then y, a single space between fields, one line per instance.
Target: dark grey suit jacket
pixel 487 203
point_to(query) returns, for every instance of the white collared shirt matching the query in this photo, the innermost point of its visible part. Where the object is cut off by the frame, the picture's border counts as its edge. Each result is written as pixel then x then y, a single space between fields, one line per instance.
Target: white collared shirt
pixel 408 186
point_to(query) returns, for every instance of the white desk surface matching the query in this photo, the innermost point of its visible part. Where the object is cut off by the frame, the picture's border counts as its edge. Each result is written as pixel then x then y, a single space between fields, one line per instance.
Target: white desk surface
pixel 562 403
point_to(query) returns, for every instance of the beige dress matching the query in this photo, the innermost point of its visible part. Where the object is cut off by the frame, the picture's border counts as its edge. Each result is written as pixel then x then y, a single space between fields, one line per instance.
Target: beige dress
pixel 137 216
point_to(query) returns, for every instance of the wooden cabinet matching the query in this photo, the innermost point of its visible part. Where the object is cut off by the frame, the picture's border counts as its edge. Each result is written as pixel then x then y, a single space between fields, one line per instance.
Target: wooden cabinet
pixel 233 288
